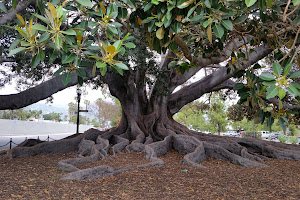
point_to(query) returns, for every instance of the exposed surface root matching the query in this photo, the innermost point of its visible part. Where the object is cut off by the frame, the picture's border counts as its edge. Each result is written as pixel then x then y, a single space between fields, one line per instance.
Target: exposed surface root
pixel 218 152
pixel 120 144
pixel 192 147
pixel 94 144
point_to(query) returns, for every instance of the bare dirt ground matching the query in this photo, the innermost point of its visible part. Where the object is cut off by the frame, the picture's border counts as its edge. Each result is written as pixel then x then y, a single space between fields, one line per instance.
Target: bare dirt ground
pixel 38 177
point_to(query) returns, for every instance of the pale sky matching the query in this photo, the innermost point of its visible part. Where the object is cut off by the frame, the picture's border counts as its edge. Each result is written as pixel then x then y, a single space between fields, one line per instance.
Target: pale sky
pixel 63 97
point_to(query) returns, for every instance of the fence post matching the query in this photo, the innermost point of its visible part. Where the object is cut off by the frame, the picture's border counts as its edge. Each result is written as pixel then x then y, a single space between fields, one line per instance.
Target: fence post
pixel 38 138
pixel 48 138
pixel 10 142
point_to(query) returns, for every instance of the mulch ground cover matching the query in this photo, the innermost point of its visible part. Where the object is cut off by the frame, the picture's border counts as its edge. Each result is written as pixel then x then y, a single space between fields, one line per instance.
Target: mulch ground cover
pixel 38 177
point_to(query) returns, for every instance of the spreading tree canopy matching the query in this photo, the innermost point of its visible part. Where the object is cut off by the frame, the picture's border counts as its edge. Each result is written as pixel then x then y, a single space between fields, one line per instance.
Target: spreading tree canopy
pixel 117 42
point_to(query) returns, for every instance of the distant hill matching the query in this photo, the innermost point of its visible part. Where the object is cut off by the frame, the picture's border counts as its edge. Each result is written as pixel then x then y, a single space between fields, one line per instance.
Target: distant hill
pixel 57 108
pixel 48 108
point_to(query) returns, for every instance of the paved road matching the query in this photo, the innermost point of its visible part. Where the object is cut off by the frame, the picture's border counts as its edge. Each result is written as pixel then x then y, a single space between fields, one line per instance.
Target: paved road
pixel 18 131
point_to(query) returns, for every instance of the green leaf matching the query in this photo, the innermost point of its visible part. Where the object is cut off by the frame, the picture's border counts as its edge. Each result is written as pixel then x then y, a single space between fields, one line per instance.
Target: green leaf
pixel 191 11
pixel 296 21
pixel 267 76
pixel 122 66
pixel 44 37
pixel 40 27
pixel 269 83
pixel 80 80
pixel 270 121
pixel 14 44
pixel 122 50
pixel 160 33
pixel 296 2
pixel 207 22
pixel 147 20
pixel 155 2
pixel 172 64
pixel 58 71
pixel 44 19
pixel 2 7
pixel 148 6
pixel 218 30
pixel 281 93
pixel 81 73
pixel 130 3
pixel 35 60
pixel 261 116
pixel 238 86
pixel 25 44
pixel 68 58
pixel 117 44
pixel 282 122
pixel 293 91
pixel 103 70
pixel 269 3
pixel 176 26
pixel 113 30
pixel 69 32
pixel 66 78
pixel 295 74
pixel 130 45
pixel 227 24
pixel 14 4
pixel 53 56
pixel 93 24
pixel 197 18
pixel 250 2
pixel 86 3
pixel 58 42
pixel 95 48
pixel 100 64
pixel 42 55
pixel 94 71
pixel 272 92
pixel 277 68
pixel 16 50
pixel 207 3
pixel 296 85
pixel 185 4
pixel 287 69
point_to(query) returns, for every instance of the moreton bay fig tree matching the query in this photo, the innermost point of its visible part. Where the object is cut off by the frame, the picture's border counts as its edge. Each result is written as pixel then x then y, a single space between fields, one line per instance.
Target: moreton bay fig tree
pixel 115 43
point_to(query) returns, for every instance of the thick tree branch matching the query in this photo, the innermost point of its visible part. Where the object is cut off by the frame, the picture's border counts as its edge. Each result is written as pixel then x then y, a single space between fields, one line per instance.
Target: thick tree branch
pixel 201 62
pixel 2 60
pixel 180 79
pixel 11 14
pixel 37 93
pixel 207 84
pixel 285 105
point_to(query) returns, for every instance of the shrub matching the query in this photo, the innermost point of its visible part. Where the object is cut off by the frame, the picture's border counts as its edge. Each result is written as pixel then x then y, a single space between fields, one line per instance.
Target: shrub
pixel 282 138
pixel 293 139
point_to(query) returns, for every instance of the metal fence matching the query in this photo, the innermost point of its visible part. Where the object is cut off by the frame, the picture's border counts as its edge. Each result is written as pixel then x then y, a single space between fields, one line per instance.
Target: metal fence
pixel 11 142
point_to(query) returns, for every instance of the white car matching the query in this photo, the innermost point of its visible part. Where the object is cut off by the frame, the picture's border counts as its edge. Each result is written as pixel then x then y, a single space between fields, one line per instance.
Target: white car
pixel 264 134
pixel 231 133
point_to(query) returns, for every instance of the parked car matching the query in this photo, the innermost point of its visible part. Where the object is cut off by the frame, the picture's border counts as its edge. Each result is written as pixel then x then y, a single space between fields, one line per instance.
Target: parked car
pixel 231 133
pixel 274 135
pixel 264 134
